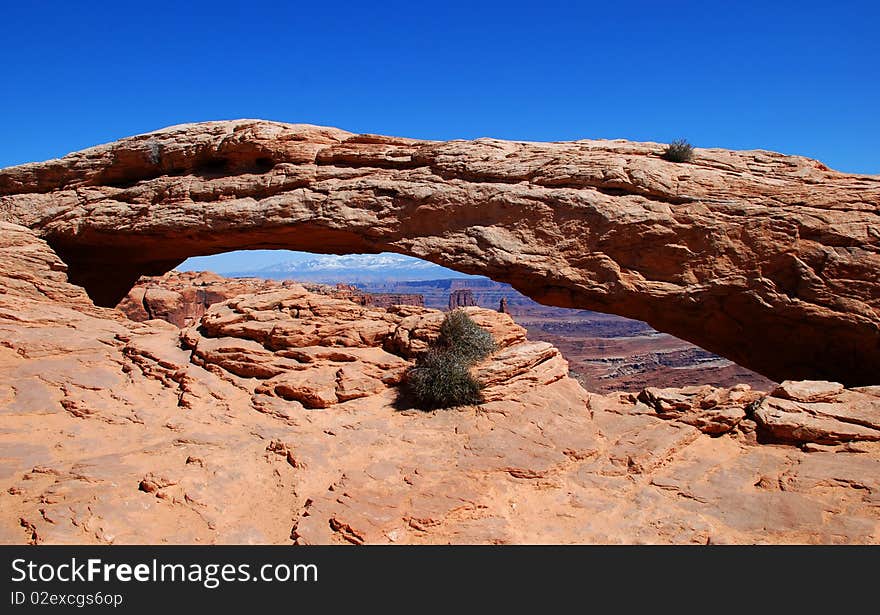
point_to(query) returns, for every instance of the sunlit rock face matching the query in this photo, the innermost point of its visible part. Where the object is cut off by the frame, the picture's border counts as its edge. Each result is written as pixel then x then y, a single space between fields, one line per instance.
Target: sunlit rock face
pixel 275 419
pixel 769 260
pixel 273 415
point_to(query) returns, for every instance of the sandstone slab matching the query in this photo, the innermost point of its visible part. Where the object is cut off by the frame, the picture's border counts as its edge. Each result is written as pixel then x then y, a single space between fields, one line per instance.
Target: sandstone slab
pixel 123 432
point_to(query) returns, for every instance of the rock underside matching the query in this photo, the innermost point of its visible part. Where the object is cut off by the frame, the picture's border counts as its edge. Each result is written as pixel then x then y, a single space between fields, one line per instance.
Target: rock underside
pixel 771 261
pixel 274 418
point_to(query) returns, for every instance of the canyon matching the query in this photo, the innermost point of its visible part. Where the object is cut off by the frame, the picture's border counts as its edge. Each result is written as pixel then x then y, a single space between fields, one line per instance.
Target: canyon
pixel 270 414
pixel 606 353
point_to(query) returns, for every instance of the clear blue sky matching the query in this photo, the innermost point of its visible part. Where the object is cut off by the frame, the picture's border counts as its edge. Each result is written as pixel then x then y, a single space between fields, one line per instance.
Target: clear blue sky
pixel 797 77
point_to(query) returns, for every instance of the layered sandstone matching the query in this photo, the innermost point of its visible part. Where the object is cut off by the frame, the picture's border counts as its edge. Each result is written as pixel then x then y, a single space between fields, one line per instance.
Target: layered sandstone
pixel 274 416
pixel 182 297
pixel 461 297
pixel 274 419
pixel 769 260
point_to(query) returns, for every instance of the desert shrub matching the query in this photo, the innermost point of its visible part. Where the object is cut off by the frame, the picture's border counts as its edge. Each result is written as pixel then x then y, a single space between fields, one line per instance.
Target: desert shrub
pixel 441 377
pixel 461 335
pixel 679 151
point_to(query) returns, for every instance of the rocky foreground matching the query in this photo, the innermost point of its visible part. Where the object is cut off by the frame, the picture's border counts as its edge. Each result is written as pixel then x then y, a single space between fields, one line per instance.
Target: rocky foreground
pixel 274 418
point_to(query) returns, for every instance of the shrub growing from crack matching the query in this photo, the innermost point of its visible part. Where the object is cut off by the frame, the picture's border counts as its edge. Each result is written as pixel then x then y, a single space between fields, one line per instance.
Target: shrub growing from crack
pixel 461 335
pixel 679 151
pixel 441 378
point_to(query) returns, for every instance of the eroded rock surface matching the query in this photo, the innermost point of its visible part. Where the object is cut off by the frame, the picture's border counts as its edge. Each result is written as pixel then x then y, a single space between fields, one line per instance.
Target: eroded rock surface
pixel 769 260
pixel 182 297
pixel 821 412
pixel 274 421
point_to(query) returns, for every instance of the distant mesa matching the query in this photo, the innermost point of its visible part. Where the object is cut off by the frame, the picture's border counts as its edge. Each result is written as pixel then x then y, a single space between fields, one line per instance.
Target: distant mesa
pixel 462 297
pixel 382 300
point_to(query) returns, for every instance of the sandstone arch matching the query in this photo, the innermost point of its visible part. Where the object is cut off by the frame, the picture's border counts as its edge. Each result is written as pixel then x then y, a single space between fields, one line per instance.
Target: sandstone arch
pixel 772 261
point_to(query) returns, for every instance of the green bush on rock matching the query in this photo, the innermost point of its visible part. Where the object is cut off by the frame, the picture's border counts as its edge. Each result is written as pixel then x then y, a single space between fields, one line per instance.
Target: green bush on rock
pixel 441 377
pixel 679 151
pixel 460 335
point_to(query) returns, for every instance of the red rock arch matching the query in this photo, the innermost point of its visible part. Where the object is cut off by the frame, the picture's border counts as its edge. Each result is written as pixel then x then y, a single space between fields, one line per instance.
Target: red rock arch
pixel 769 260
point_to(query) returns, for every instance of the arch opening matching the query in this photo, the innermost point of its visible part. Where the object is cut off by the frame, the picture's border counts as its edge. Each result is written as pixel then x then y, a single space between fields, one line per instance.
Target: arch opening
pixel 732 323
pixel 605 352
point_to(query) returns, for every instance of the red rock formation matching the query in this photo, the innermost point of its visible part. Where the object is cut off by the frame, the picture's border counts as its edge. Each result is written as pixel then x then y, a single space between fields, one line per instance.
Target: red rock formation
pixel 353 293
pixel 275 422
pixel 771 261
pixel 340 291
pixel 274 418
pixel 182 298
pixel 387 300
pixel 462 297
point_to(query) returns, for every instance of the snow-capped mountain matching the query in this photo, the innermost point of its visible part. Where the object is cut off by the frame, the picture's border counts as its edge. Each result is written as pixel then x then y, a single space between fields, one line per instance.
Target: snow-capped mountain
pixel 354 268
